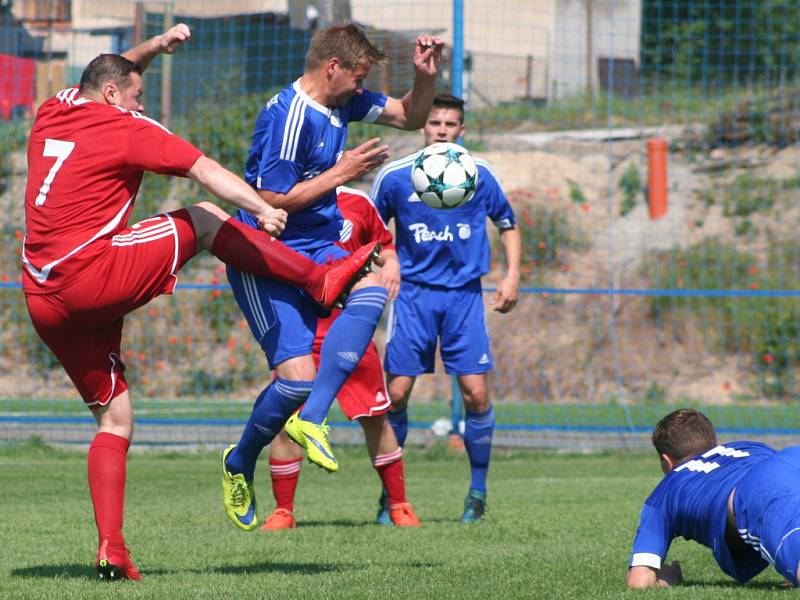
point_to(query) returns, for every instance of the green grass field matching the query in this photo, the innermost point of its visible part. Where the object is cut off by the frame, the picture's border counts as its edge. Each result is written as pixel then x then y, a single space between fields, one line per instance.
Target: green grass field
pixel 558 526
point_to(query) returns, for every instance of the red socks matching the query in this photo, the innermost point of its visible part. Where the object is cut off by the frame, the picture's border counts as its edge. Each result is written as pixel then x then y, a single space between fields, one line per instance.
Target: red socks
pixel 106 465
pixel 284 474
pixel 390 470
pixel 251 251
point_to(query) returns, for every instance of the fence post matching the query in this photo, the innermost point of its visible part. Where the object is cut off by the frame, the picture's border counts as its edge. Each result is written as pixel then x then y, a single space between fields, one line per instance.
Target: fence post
pixel 457 64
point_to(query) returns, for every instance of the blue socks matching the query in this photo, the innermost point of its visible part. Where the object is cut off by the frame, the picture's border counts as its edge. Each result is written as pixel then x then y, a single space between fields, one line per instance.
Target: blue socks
pixel 398 419
pixel 478 432
pixel 273 406
pixel 345 344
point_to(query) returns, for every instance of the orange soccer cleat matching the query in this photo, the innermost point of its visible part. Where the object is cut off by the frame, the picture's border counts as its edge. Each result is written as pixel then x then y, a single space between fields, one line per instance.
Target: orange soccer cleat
pixel 402 515
pixel 279 519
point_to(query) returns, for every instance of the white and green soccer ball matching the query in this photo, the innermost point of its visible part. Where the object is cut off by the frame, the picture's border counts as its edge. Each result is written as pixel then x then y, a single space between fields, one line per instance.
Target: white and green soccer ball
pixel 444 175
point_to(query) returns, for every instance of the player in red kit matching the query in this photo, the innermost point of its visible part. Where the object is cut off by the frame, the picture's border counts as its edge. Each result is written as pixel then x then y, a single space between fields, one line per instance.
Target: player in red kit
pixel 85 268
pixel 363 396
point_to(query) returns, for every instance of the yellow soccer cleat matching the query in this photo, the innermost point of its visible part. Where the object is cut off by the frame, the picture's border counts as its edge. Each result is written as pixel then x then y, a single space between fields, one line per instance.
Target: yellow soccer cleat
pixel 238 496
pixel 314 439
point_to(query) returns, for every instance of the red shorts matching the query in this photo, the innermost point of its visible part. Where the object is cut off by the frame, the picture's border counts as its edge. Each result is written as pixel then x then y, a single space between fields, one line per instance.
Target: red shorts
pixel 82 323
pixel 364 392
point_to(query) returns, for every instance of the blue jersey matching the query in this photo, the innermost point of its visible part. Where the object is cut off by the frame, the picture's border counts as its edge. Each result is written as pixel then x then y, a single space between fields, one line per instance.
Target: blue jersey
pixel 297 138
pixel 446 248
pixel 692 502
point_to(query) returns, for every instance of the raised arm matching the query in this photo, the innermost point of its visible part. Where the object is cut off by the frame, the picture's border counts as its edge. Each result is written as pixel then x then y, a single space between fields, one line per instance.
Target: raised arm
pixel 166 43
pixel 411 111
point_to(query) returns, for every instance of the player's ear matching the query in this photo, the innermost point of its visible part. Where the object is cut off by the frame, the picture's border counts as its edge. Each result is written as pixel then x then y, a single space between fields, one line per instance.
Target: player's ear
pixel 667 463
pixel 330 66
pixel 111 93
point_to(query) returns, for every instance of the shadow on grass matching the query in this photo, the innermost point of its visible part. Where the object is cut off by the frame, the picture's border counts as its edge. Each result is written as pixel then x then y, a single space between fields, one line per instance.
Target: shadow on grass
pixel 83 571
pixel 727 583
pixel 361 523
pixel 336 523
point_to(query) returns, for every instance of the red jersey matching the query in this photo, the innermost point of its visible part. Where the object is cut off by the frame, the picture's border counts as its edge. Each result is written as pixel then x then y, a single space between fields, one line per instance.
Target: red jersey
pixel 85 165
pixel 362 225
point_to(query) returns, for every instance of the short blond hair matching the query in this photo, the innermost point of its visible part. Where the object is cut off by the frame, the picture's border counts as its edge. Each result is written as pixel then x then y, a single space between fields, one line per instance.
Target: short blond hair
pixel 348 42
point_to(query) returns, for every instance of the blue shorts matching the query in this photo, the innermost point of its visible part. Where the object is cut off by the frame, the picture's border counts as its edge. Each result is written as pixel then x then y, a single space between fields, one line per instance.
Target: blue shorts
pixel 421 314
pixel 283 318
pixel 767 509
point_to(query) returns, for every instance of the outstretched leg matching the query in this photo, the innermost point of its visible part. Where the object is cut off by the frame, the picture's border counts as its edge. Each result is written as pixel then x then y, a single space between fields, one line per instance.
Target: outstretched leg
pixel 252 251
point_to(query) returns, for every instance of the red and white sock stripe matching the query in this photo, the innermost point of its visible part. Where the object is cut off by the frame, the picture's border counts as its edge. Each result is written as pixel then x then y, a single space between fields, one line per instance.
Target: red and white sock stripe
pixel 382 460
pixel 285 467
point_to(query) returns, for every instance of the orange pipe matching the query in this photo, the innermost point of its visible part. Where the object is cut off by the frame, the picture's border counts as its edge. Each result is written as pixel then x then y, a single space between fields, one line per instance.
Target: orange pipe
pixel 657 177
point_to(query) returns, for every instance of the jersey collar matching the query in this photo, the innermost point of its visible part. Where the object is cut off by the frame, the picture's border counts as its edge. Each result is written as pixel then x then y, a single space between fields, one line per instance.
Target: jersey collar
pixel 310 101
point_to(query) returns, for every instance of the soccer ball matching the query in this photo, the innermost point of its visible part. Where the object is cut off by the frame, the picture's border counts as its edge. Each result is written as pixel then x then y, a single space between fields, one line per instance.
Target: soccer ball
pixel 441 427
pixel 444 175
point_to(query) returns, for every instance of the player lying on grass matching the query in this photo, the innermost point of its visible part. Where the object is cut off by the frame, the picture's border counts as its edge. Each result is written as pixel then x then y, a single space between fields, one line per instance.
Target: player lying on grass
pixel 363 396
pixel 85 268
pixel 741 499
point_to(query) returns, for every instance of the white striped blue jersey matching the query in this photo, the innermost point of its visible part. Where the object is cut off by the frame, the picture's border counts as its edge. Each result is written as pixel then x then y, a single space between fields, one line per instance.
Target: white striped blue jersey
pixel 445 248
pixel 295 139
pixel 692 502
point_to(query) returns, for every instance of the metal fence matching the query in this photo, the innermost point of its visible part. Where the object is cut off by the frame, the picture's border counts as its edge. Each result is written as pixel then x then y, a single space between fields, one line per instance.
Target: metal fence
pixel 648 281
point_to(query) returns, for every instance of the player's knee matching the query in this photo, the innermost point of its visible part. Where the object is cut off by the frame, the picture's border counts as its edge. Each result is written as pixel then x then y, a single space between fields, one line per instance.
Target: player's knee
pixel 399 402
pixel 206 220
pixel 370 280
pixel 476 399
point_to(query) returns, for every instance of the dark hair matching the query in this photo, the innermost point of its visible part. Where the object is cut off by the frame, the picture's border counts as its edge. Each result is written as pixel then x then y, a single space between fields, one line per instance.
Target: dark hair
pixel 347 42
pixel 108 68
pixel 684 433
pixel 449 101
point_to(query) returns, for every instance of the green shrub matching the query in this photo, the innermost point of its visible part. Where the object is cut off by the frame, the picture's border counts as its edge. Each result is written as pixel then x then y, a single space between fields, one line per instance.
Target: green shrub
pixel 631 186
pixel 768 328
pixel 547 237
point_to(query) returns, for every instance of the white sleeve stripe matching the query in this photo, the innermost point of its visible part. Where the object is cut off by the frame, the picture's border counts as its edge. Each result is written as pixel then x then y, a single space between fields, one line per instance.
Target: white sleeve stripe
pixel 291 132
pixel 301 119
pixel 287 128
pixel 646 559
pixel 375 111
pixel 291 148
